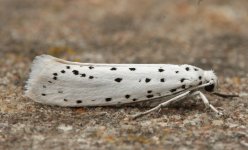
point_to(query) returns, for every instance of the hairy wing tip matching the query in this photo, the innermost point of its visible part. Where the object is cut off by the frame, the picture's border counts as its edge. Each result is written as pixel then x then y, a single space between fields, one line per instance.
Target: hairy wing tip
pixel 39 63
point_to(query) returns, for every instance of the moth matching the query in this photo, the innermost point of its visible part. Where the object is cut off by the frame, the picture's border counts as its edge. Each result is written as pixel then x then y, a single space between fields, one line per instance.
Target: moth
pixel 54 81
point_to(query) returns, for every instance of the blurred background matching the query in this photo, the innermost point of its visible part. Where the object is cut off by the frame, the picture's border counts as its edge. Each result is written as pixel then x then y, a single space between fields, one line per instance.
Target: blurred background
pixel 211 34
pixel 206 33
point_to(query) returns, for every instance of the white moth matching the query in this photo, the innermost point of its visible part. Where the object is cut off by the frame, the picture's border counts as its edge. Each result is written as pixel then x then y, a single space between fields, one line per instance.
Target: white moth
pixel 55 81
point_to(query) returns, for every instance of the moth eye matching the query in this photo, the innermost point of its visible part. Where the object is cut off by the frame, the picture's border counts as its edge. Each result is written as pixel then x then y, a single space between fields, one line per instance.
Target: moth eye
pixel 209 88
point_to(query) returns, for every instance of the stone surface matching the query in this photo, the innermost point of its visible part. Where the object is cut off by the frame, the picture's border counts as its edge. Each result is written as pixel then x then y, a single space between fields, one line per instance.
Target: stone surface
pixel 211 34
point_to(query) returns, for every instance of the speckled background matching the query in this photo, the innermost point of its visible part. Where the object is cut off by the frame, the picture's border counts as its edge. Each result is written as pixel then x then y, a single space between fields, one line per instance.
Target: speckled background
pixel 211 34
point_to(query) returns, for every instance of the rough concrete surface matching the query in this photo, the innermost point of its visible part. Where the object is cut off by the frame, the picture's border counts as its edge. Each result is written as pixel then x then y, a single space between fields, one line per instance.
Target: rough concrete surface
pixel 211 34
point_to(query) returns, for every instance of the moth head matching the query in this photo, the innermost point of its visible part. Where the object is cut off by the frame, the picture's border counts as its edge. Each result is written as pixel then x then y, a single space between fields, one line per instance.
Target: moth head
pixel 210 77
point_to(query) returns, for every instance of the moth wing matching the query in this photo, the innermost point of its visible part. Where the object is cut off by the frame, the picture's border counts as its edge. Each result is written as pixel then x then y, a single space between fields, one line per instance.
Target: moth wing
pixel 57 82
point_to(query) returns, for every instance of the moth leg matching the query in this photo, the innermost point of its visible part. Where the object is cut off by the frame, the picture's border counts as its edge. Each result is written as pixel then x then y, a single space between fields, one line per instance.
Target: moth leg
pixel 179 97
pixel 206 102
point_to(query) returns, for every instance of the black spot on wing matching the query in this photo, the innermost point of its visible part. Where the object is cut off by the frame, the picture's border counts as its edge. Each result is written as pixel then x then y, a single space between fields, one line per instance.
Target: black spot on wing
pixel 43 94
pixel 187 69
pixel 91 77
pixel 147 80
pixel 65 100
pixel 149 96
pixel 196 69
pixel 173 90
pixel 149 91
pixel 60 92
pixel 75 72
pixel 68 67
pixel 108 99
pixel 55 74
pixel 54 78
pixel 176 71
pixel 91 67
pixel 50 81
pixel 118 79
pixel 62 71
pixel 160 70
pixel 162 80
pixel 182 79
pixel 183 86
pixel 132 69
pixel 134 99
pixel 79 101
pixel 113 69
pixel 83 75
pixel 127 96
pixel 200 77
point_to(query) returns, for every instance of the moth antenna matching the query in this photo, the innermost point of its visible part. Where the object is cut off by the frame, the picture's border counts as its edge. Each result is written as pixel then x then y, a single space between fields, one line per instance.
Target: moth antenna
pixel 225 95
